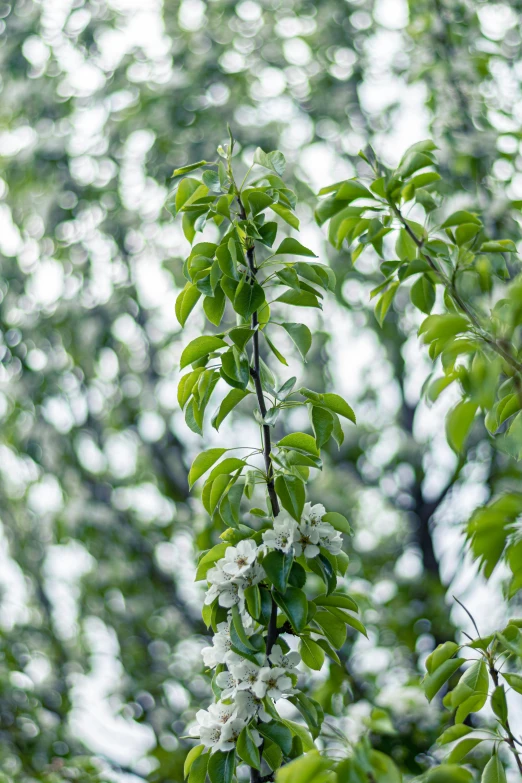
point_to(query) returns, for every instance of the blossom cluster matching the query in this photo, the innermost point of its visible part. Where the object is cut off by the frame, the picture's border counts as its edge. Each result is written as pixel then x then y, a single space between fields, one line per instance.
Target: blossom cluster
pixel 307 536
pixel 244 684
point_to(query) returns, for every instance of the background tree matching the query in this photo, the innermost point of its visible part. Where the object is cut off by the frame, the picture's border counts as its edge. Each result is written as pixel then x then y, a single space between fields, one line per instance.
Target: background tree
pixel 100 103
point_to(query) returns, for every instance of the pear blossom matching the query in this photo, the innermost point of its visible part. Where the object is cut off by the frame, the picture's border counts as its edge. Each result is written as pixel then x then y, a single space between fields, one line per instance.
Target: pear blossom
pixel 238 559
pixel 246 673
pixel 221 647
pixel 330 538
pixel 273 682
pixel 228 684
pixel 228 594
pixel 253 575
pixel 313 515
pixel 278 659
pixel 229 734
pixel 249 706
pixel 211 723
pixel 306 541
pixel 281 536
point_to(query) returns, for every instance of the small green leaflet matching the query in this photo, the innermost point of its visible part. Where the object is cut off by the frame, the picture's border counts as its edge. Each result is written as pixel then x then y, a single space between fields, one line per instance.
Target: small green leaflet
pixel 291 492
pixel 275 161
pixel 232 399
pixel 300 335
pixel 199 348
pixel 202 463
pixel 291 246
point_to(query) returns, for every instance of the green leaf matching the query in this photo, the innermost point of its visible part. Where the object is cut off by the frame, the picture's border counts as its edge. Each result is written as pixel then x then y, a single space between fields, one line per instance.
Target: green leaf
pixel 198 769
pixel 335 403
pixel 493 771
pixel 287 215
pixel 384 303
pixel 333 627
pixel 422 294
pixel 514 680
pixel 232 399
pixel 436 327
pixel 249 297
pixel 405 247
pixel 202 463
pixel 239 628
pixel 441 654
pixel 247 749
pixel 190 758
pixel 337 599
pixel 474 681
pixel 277 567
pixel 278 733
pixel 338 522
pixel 299 732
pixel 299 299
pixel 199 348
pixel 459 217
pixel 454 733
pixel 275 351
pixel 311 653
pixel 291 492
pixel 309 768
pixel 275 161
pixel 253 601
pixel 300 441
pixel 241 335
pixel 221 766
pixel 291 246
pixel 209 558
pixel 499 703
pixel 295 605
pixel 189 167
pixel 458 423
pixel 432 683
pixel 214 306
pixel 462 749
pixel 227 466
pixel 499 246
pixel 300 335
pixel 352 190
pixel 449 773
pixel 322 423
pixel 186 301
pixel 186 386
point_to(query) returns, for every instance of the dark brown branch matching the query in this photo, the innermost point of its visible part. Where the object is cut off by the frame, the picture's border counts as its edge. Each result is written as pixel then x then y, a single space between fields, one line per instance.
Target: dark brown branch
pixel 272 631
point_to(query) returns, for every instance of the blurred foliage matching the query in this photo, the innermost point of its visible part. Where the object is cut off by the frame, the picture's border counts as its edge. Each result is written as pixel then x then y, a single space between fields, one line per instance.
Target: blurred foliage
pixel 100 101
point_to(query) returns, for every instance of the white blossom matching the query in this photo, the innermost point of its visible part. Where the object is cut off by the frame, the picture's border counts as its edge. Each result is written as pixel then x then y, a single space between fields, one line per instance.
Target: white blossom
pixel 221 647
pixel 273 682
pixel 238 559
pixel 313 515
pixel 228 594
pixel 281 536
pixel 279 659
pixel 212 722
pixel 230 732
pixel 330 538
pixel 248 707
pixel 246 673
pixel 306 541
pixel 228 684
pixel 253 575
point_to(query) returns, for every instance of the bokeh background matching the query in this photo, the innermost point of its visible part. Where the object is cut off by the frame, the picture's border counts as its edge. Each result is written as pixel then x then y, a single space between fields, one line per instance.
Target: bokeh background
pixel 100 672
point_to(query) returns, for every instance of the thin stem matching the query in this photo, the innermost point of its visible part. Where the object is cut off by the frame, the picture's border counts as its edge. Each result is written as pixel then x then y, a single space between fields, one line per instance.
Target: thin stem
pixel 450 285
pixel 272 631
